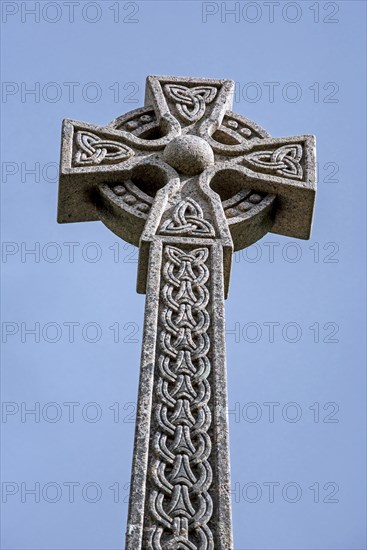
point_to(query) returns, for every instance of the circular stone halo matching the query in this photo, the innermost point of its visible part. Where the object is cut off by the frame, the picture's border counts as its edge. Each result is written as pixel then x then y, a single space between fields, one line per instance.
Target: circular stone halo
pixel 247 223
pixel 189 155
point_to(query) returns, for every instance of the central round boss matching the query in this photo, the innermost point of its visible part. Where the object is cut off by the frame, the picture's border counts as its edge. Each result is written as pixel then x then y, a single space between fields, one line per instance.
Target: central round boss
pixel 189 155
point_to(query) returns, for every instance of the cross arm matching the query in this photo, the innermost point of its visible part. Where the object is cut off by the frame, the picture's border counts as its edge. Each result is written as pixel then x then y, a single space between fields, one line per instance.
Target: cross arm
pixel 282 167
pixel 92 154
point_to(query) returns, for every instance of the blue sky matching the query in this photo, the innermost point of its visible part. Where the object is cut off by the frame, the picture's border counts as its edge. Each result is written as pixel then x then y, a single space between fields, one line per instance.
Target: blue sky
pixel 295 314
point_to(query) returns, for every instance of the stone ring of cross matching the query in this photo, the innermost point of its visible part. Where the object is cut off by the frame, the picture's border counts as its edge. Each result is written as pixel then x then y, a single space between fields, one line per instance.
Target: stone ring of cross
pixel 188 181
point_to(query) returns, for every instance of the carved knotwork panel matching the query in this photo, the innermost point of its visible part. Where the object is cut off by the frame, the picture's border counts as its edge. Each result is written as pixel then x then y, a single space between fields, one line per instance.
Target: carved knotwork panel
pixel 93 150
pixel 189 102
pixel 178 502
pixel 187 221
pixel 285 161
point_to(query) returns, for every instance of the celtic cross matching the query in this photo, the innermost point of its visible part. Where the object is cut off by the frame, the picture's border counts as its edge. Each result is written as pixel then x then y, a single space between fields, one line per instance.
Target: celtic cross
pixel 188 181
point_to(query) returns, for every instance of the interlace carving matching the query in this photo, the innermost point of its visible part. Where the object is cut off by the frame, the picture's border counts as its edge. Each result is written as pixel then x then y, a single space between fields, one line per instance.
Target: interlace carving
pixel 187 220
pixel 191 102
pixel 285 160
pixel 91 149
pixel 179 501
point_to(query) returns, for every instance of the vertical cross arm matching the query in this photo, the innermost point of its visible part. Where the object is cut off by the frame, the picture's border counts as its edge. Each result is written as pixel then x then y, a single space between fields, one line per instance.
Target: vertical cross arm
pixel 180 489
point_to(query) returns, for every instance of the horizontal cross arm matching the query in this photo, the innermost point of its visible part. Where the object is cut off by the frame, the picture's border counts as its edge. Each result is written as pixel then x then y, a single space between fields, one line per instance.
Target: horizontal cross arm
pixel 285 167
pixel 91 155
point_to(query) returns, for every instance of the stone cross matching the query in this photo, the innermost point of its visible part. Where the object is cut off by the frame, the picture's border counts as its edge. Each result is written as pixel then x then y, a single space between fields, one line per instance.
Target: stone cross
pixel 188 181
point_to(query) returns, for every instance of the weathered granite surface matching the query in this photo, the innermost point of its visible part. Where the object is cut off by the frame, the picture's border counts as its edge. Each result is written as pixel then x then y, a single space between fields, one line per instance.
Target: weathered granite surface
pixel 188 181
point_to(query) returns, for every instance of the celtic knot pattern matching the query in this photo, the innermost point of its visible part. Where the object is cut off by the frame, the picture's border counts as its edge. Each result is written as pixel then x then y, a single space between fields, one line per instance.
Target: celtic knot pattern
pixel 91 149
pixel 284 161
pixel 179 503
pixel 190 102
pixel 188 220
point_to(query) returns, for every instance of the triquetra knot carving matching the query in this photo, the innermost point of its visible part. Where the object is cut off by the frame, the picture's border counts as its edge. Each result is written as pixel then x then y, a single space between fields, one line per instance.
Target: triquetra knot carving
pixel 91 149
pixel 188 220
pixel 285 160
pixel 191 102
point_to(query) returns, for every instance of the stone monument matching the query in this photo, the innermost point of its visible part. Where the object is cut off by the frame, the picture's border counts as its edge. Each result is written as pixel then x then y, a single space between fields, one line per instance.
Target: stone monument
pixel 188 181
